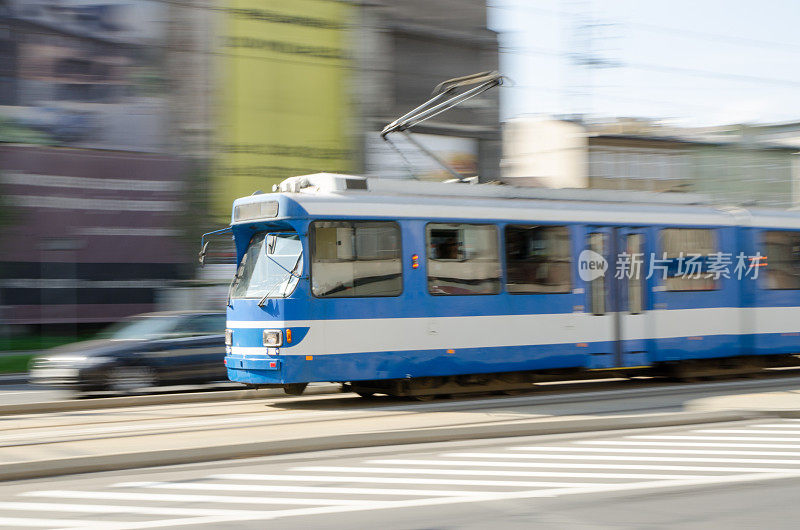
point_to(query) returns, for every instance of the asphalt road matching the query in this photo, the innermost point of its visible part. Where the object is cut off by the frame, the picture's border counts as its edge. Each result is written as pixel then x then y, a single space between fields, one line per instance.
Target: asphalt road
pixel 735 475
pixel 13 393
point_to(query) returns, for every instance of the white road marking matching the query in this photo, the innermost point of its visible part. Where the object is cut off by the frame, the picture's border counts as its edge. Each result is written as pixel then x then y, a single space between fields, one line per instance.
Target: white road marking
pixel 627 450
pixel 691 444
pixel 429 471
pixel 172 497
pixel 388 480
pixel 451 500
pixel 722 438
pixel 747 431
pixel 479 463
pixel 292 489
pixel 548 456
pixel 781 425
pixel 109 508
pixel 51 523
pixel 647 467
pixel 445 468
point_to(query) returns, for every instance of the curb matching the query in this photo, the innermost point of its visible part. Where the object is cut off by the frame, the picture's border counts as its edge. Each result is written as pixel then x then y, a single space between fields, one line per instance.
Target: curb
pixel 144 459
pixel 154 399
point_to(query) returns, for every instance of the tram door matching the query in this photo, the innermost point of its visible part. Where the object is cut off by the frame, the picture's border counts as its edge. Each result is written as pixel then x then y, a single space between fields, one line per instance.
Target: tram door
pixel 616 299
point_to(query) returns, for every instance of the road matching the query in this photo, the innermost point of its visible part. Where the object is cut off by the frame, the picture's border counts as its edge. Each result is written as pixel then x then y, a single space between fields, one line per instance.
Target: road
pixel 733 475
pixel 12 393
pixel 17 392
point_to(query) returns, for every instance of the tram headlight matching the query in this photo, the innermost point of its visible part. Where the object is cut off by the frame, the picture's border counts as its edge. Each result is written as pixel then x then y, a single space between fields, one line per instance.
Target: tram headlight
pixel 228 337
pixel 273 338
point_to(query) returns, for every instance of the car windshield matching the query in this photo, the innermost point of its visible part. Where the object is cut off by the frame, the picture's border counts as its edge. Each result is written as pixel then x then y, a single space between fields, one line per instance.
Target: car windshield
pixel 142 328
pixel 270 268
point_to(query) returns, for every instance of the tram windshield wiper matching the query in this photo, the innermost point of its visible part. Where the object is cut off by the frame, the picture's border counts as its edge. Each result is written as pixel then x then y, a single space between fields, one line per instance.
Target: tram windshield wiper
pixel 282 281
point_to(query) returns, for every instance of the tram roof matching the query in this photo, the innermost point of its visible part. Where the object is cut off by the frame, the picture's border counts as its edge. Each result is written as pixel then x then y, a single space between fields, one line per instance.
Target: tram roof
pixel 335 195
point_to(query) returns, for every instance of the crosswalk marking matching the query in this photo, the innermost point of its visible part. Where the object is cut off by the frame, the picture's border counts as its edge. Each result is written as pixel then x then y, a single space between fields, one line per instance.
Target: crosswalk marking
pixel 386 480
pixel 481 463
pixel 735 438
pixel 653 451
pixel 652 458
pixel 584 465
pixel 285 488
pixel 174 497
pixel 108 508
pixel 627 462
pixel 746 431
pixel 688 444
pixel 47 523
pixel 429 471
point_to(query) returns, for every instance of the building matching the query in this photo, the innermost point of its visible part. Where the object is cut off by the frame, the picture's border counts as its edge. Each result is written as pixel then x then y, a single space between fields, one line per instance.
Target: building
pixel 147 113
pixel 90 236
pixel 403 50
pixel 95 215
pixel 309 85
pixel 630 154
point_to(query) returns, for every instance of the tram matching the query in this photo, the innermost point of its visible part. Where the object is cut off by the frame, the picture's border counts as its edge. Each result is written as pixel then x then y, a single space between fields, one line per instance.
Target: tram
pixel 409 287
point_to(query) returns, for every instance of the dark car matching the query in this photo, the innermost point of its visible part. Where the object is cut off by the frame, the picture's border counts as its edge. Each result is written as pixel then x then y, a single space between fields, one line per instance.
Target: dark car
pixel 144 351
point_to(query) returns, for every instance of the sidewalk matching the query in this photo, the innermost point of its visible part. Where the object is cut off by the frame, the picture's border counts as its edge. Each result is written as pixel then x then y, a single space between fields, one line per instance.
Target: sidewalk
pixel 785 403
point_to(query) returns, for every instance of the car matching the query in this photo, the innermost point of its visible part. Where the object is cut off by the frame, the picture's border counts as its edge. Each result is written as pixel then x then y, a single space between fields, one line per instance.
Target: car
pixel 177 347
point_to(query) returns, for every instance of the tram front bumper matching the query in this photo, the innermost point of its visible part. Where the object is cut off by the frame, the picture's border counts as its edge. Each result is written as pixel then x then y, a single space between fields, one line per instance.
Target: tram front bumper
pixel 253 370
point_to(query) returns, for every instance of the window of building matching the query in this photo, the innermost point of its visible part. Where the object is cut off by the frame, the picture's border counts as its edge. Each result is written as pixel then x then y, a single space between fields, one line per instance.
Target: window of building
pixel 782 249
pixel 356 259
pixel 463 259
pixel 538 259
pixel 688 250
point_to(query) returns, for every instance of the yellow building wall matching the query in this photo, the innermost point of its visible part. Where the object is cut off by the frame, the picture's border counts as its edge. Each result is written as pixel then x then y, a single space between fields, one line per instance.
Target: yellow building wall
pixel 284 74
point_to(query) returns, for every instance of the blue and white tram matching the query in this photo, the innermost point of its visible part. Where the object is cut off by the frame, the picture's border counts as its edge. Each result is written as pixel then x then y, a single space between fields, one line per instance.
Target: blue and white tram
pixel 407 287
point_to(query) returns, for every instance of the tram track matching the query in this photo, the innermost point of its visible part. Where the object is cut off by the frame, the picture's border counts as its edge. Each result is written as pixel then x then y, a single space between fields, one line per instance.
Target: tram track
pixel 631 395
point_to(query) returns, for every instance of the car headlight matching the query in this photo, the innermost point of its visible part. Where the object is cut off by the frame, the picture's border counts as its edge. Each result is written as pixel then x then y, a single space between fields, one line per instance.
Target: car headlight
pixel 273 338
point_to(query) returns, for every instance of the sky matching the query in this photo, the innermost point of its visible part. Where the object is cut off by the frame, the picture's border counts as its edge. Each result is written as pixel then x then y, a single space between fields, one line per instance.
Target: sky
pixel 690 62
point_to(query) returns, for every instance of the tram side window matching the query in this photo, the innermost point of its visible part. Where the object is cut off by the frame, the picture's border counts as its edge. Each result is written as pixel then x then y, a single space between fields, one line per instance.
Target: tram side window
pixel 685 242
pixel 463 259
pixel 538 259
pixel 356 259
pixel 782 249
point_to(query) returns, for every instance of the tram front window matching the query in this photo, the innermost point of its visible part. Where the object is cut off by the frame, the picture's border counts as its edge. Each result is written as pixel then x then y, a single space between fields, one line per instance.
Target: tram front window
pixel 270 268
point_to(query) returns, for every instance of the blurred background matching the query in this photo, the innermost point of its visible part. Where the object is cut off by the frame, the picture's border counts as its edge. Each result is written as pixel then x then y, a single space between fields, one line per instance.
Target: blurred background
pixel 127 127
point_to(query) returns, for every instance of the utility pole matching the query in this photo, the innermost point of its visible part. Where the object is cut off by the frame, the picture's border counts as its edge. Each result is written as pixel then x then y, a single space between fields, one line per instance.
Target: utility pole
pixel 583 56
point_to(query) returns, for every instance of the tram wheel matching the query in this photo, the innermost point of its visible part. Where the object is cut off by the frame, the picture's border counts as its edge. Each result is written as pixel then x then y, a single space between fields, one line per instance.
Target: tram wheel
pixel 295 389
